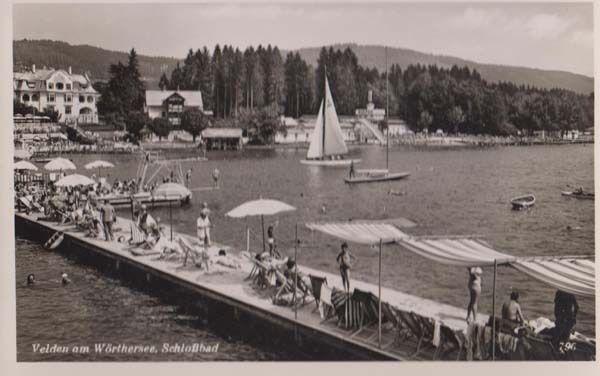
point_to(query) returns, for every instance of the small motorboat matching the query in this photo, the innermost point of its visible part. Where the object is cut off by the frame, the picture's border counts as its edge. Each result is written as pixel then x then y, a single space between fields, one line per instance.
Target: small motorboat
pixel 369 176
pixel 579 195
pixel 523 202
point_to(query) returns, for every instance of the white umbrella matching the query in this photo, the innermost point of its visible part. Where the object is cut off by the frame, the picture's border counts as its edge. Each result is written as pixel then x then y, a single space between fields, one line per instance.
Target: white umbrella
pixel 98 164
pixel 260 207
pixel 22 154
pixel 171 190
pixel 74 180
pixel 59 164
pixel 24 165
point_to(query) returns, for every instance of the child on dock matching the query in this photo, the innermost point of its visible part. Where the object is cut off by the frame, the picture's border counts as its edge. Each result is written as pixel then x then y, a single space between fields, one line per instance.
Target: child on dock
pixel 344 260
pixel 203 226
pixel 474 291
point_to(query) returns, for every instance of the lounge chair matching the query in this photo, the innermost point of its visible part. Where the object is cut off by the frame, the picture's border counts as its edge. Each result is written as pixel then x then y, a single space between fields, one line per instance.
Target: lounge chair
pixel 451 339
pixel 348 310
pixel 427 329
pixel 137 236
pixel 369 304
pixel 315 284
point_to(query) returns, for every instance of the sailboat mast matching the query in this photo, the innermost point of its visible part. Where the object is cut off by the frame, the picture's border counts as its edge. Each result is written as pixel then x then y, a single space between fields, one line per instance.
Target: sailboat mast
pixel 387 110
pixel 324 105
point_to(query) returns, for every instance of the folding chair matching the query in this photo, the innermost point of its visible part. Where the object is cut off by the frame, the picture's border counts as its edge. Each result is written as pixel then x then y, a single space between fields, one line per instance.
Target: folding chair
pixel 368 304
pixel 316 283
pixel 427 330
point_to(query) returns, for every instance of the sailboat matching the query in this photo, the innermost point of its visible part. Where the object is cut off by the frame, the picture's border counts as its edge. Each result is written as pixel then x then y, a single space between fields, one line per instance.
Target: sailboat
pixel 377 175
pixel 327 146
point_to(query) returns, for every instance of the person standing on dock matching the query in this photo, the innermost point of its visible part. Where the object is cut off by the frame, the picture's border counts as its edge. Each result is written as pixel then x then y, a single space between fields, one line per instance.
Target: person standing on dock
pixel 203 226
pixel 108 218
pixel 344 259
pixel 271 240
pixel 188 178
pixel 352 172
pixel 216 175
pixel 474 291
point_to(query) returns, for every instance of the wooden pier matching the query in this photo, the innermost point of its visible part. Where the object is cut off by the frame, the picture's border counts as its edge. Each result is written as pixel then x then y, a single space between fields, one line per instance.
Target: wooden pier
pixel 231 298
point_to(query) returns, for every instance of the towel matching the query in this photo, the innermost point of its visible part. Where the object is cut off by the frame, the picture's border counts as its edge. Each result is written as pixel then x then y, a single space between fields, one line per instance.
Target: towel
pixel 436 334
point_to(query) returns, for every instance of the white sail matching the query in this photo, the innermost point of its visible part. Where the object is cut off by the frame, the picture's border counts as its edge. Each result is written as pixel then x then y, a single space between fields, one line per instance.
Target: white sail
pixel 315 149
pixel 334 138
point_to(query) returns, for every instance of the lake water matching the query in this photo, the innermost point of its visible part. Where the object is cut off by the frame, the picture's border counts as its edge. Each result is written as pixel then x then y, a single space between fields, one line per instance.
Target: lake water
pixel 449 192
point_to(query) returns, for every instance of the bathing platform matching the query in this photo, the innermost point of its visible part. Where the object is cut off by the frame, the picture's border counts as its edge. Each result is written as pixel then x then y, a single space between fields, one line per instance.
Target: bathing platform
pixel 230 301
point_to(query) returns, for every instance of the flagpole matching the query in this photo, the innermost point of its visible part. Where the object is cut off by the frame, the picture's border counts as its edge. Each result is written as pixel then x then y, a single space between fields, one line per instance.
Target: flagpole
pixel 387 110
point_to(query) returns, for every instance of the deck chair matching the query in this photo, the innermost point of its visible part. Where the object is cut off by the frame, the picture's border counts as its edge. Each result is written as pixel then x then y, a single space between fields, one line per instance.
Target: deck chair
pixel 427 329
pixel 388 316
pixel 315 284
pixel 325 307
pixel 451 339
pixel 369 305
pixel 261 274
pixel 409 328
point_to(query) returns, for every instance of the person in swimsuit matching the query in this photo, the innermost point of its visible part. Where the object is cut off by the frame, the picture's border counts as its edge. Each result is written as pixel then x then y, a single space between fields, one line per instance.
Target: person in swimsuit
pixel 344 259
pixel 474 291
pixel 512 310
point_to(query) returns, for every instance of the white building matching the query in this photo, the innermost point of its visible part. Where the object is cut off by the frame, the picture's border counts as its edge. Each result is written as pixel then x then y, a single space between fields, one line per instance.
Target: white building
pixel 171 103
pixel 72 95
pixel 371 113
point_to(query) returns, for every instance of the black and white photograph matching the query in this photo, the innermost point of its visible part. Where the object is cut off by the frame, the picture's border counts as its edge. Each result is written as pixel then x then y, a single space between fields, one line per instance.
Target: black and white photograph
pixel 301 181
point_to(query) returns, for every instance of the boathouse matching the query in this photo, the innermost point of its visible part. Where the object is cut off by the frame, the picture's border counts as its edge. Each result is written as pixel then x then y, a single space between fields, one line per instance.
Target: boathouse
pixel 223 138
pixel 170 104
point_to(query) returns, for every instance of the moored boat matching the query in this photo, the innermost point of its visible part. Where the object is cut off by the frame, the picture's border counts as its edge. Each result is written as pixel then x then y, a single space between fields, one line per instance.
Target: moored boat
pixel 523 202
pixel 371 176
pixel 579 195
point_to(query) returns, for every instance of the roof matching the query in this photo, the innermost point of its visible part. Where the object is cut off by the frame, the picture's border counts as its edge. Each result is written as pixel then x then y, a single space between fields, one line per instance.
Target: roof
pixel 360 232
pixel 222 133
pixel 193 98
pixel 35 80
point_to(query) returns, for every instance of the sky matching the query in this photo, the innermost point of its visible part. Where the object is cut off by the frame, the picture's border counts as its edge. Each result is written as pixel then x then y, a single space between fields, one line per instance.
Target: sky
pixel 556 36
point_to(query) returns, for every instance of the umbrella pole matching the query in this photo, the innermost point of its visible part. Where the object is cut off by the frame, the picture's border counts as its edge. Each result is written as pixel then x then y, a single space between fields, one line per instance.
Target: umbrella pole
pixel 296 273
pixel 171 219
pixel 262 223
pixel 379 326
pixel 247 238
pixel 494 312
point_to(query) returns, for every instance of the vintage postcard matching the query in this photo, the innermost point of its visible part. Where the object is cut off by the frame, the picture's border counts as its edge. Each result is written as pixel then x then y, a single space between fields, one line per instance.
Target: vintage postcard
pixel 302 181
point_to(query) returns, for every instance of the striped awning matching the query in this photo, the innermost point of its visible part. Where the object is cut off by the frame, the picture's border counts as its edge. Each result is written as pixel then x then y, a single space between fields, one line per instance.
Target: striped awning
pixel 457 251
pixel 576 276
pixel 360 232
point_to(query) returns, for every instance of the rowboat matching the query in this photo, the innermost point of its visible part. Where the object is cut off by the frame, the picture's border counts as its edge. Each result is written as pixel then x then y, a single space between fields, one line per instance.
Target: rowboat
pixel 523 202
pixel 327 146
pixel 371 176
pixel 579 195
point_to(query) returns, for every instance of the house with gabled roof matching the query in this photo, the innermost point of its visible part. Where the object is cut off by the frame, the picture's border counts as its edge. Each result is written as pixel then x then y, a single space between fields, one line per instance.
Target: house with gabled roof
pixel 72 95
pixel 170 104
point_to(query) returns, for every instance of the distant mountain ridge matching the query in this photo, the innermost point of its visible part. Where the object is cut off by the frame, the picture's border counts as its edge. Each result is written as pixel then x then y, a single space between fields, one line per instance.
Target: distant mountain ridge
pixel 96 60
pixel 374 56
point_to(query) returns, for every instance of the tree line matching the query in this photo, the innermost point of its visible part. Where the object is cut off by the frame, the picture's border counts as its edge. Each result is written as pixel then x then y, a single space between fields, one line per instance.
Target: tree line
pixel 251 88
pixel 453 99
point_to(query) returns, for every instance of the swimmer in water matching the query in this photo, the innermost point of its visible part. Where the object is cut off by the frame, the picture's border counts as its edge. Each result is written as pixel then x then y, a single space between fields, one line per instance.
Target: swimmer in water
pixel 31 279
pixel 65 279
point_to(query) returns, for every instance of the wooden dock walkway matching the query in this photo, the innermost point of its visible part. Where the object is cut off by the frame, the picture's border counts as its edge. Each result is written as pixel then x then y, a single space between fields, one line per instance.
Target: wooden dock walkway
pixel 234 290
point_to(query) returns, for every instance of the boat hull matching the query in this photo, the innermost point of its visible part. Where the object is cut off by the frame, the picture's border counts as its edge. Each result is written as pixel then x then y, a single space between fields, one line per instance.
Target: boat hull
pixel 580 196
pixel 330 163
pixel 377 178
pixel 523 202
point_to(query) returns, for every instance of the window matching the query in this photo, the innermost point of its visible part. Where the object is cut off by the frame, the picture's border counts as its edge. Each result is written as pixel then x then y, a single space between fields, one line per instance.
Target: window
pixel 164 114
pixel 50 85
pixel 68 110
pixel 25 97
pixel 50 108
pixel 175 121
pixel 68 98
pixel 50 98
pixel 59 86
pixel 90 99
pixel 68 86
pixel 35 97
pixel 175 108
pixel 81 99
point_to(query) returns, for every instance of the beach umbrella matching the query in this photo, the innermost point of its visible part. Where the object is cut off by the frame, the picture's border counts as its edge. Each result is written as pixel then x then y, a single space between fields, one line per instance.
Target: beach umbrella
pixel 22 154
pixel 24 165
pixel 169 191
pixel 98 164
pixel 260 207
pixel 74 180
pixel 59 164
